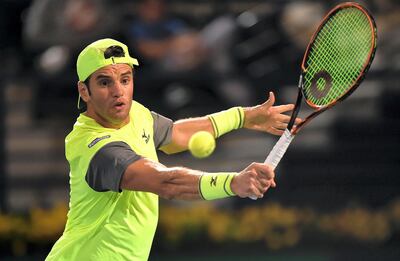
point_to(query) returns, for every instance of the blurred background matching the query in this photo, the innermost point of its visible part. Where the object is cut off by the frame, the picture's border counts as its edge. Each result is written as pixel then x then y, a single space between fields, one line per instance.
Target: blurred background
pixel 338 193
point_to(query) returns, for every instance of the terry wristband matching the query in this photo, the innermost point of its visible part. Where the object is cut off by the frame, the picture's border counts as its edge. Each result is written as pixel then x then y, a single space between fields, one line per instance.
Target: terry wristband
pixel 228 120
pixel 216 185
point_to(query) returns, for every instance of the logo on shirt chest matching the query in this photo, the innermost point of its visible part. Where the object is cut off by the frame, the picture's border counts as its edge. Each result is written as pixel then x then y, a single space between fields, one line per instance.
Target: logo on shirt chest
pixel 145 137
pixel 91 144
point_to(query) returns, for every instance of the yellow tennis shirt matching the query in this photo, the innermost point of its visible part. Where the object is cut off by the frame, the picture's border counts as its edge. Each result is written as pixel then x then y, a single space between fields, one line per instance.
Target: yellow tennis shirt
pixel 107 225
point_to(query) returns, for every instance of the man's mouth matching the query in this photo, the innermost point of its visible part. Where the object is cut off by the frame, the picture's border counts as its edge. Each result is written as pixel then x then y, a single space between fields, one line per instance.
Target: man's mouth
pixel 119 105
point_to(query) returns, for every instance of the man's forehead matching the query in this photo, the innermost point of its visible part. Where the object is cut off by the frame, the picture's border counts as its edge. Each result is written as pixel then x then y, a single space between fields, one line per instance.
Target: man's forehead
pixel 113 69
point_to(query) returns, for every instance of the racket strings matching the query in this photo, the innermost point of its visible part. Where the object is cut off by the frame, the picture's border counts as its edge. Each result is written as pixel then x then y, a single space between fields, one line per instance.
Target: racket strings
pixel 341 54
pixel 332 54
pixel 341 49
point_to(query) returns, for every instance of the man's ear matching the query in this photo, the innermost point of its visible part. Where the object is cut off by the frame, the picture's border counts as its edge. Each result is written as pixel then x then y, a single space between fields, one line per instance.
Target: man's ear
pixel 83 91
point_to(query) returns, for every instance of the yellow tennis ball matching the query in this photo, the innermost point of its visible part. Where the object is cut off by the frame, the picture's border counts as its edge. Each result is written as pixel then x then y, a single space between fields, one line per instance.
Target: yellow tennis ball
pixel 201 144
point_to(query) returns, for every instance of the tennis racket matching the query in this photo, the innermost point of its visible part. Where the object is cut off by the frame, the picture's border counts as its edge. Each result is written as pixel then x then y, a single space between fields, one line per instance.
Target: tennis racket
pixel 335 63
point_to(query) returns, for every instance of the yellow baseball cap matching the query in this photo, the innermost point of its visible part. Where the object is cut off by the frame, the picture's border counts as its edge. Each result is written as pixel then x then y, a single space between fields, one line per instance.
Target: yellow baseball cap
pixel 92 58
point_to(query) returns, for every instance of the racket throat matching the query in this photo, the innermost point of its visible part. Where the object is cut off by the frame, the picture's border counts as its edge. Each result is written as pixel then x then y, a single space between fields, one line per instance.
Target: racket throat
pixel 297 105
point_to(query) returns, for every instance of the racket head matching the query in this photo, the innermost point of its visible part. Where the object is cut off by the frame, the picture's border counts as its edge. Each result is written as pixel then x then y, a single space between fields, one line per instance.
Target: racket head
pixel 338 56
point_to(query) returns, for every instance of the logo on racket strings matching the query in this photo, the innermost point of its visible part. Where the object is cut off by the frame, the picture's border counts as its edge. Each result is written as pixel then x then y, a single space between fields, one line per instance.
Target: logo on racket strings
pixel 321 84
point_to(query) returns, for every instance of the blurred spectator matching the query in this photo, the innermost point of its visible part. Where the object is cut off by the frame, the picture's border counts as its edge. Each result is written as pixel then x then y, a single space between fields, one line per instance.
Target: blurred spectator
pixel 388 21
pixel 72 22
pixel 181 61
pixel 159 37
pixel 54 32
pixel 300 19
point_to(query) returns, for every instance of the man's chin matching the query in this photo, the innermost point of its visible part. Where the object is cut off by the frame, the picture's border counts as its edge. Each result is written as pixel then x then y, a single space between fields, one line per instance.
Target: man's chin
pixel 118 118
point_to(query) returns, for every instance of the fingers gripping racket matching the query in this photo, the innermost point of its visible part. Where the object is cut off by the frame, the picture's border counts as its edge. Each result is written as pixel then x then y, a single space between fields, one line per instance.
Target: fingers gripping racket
pixel 335 63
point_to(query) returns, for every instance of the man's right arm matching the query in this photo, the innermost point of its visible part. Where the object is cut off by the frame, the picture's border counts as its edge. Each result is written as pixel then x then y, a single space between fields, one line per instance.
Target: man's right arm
pixel 184 184
pixel 117 167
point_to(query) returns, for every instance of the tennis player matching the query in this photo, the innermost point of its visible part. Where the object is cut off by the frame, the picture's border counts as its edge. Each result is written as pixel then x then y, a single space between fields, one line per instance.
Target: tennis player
pixel 115 176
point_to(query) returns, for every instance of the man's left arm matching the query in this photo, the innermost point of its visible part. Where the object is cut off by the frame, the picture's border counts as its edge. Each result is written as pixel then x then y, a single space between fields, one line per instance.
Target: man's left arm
pixel 264 117
pixel 182 130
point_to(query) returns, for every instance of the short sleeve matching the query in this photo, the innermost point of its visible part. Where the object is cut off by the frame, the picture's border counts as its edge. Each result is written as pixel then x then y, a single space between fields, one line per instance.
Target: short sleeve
pixel 108 166
pixel 162 130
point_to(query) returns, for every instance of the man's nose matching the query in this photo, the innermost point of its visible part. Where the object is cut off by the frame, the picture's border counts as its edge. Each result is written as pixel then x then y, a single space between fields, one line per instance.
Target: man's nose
pixel 118 89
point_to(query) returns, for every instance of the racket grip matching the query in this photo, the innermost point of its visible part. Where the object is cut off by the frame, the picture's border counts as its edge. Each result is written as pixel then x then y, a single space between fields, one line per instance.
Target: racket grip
pixel 276 154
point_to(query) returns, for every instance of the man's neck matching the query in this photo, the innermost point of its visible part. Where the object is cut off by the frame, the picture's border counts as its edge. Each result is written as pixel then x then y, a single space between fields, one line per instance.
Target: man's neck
pixel 107 123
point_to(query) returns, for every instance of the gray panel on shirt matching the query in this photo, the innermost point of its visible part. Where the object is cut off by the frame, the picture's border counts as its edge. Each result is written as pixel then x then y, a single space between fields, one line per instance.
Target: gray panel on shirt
pixel 108 165
pixel 110 162
pixel 162 127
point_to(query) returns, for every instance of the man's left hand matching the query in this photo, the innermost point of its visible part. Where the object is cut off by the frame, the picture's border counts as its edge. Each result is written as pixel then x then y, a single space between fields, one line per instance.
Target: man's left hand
pixel 268 118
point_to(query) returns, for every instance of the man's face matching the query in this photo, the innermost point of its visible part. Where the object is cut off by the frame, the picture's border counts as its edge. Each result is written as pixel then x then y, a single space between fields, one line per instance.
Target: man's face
pixel 110 99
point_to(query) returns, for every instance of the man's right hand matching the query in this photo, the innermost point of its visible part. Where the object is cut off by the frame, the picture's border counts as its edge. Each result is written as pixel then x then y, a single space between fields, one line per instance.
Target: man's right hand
pixel 253 181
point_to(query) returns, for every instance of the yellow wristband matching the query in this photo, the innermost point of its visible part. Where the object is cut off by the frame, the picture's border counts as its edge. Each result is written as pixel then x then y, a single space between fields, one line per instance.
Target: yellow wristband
pixel 216 185
pixel 226 121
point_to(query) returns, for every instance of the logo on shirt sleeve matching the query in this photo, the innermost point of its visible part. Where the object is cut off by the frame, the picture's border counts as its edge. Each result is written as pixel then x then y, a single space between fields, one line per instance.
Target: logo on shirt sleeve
pixel 97 140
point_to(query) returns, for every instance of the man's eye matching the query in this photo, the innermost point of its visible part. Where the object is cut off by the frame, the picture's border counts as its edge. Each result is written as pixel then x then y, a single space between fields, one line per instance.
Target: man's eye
pixel 104 82
pixel 125 81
